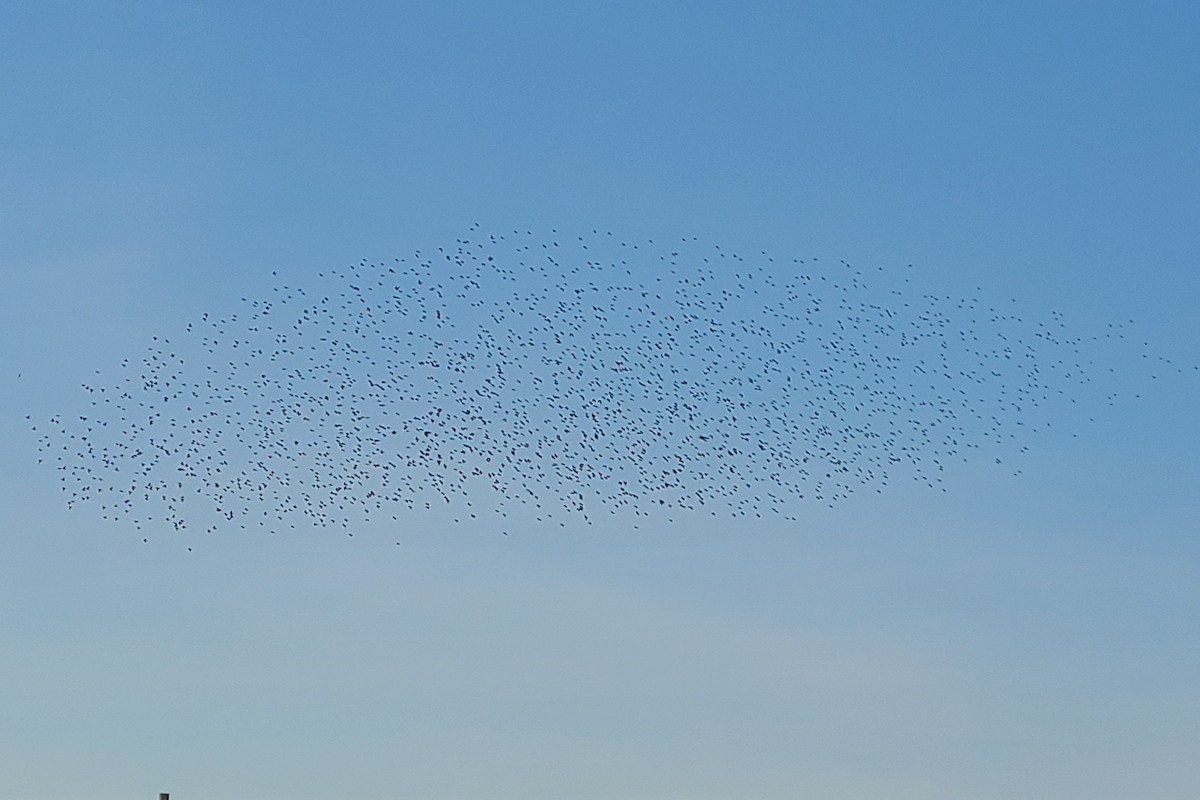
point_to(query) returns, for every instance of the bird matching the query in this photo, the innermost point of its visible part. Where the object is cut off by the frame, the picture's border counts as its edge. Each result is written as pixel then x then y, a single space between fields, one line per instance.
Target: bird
pixel 567 376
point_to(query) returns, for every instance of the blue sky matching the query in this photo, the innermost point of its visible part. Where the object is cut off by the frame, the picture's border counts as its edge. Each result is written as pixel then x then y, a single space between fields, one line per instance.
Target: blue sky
pixel 1013 635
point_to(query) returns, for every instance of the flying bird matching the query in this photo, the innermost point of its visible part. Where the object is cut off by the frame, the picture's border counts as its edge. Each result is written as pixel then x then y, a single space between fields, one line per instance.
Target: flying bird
pixel 566 376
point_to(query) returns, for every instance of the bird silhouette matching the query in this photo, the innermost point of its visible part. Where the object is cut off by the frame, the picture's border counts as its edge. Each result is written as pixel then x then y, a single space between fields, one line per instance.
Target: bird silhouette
pixel 569 376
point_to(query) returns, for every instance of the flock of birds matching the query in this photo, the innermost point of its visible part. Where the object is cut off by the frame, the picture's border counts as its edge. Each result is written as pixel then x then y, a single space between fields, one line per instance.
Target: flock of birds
pixel 571 376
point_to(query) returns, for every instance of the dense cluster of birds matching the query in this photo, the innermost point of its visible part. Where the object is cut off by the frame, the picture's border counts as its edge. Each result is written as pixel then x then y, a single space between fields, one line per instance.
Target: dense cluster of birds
pixel 570 375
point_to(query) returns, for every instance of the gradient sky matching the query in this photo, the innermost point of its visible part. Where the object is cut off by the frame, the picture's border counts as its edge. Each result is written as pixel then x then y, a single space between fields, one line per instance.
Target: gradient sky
pixel 1031 635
